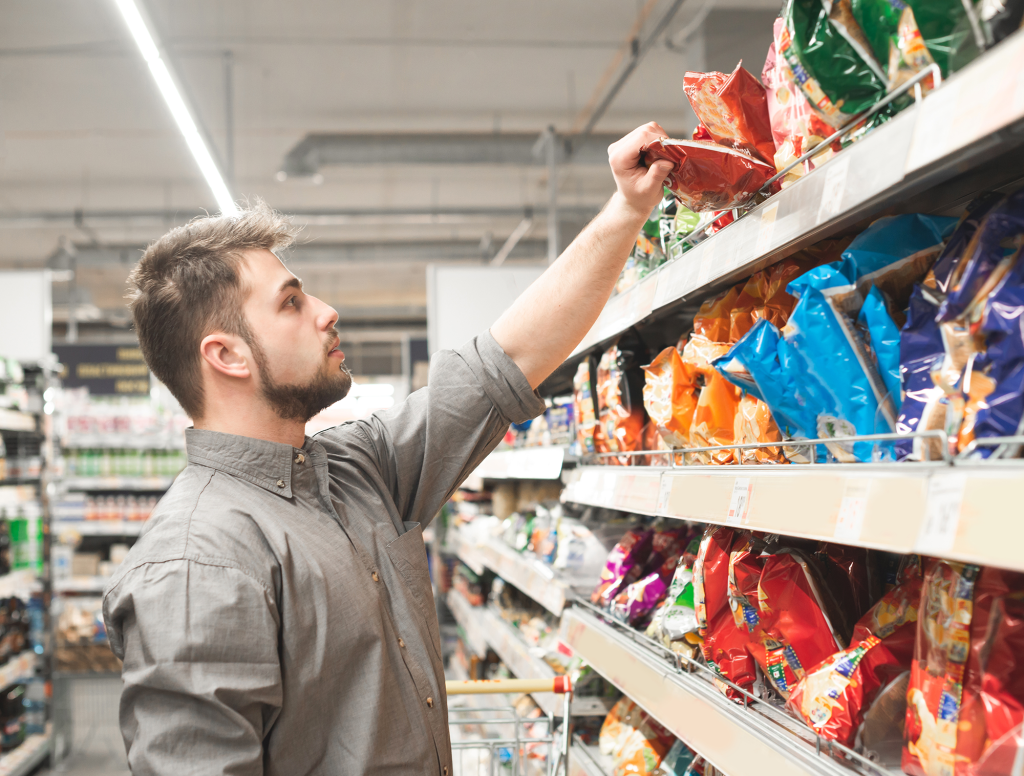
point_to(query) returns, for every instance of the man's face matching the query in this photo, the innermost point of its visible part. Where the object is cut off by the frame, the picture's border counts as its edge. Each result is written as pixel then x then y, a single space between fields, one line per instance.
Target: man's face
pixel 301 370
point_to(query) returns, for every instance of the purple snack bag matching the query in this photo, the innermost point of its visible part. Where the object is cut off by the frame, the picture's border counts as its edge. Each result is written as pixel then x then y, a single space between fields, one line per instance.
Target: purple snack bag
pixel 638 600
pixel 631 551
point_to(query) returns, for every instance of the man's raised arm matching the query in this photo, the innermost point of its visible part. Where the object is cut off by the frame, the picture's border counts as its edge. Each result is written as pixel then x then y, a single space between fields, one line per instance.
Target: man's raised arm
pixel 543 325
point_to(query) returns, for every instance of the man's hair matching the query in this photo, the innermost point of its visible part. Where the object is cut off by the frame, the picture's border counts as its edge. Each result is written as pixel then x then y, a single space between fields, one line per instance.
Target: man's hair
pixel 188 284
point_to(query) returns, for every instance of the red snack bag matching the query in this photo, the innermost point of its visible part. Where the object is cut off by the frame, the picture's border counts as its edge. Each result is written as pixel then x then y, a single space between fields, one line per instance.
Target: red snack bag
pixel 708 176
pixel 627 557
pixel 724 644
pixel 733 109
pixel 834 695
pixel 796 615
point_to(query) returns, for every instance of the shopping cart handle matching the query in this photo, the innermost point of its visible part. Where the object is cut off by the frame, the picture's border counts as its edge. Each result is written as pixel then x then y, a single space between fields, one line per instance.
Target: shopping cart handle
pixel 559 684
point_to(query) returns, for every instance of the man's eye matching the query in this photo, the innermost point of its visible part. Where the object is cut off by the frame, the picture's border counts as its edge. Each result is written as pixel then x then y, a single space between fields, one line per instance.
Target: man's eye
pixel 292 301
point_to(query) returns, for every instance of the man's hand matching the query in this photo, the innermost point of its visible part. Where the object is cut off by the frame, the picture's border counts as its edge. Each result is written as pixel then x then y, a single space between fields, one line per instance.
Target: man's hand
pixel 640 187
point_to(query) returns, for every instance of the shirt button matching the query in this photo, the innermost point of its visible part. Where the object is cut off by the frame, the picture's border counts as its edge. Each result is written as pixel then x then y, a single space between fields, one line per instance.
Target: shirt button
pixel 444 771
pixel 280 483
pixel 430 703
pixel 300 458
pixel 376 577
pixel 401 643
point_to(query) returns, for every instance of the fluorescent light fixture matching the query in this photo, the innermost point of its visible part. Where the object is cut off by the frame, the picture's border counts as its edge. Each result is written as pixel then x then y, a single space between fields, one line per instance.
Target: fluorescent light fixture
pixel 172 96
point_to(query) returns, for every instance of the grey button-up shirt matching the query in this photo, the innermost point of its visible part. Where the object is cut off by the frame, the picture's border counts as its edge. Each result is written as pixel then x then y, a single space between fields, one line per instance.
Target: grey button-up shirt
pixel 276 615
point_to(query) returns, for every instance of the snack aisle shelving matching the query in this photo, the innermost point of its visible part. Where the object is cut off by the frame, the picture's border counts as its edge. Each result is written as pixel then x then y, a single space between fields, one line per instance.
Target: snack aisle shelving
pixel 961 127
pixel 950 511
pixel 587 760
pixel 23 760
pixel 152 484
pixel 531 463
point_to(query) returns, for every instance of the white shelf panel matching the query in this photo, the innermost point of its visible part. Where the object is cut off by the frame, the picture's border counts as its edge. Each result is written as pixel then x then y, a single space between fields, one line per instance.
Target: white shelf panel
pixel 922 146
pixel 14 420
pixel 117 483
pixel 17 494
pixel 529 463
pixel 530 575
pixel 484 628
pixel 736 740
pixel 467 551
pixel 19 583
pixel 951 512
pixel 99 527
pixel 21 761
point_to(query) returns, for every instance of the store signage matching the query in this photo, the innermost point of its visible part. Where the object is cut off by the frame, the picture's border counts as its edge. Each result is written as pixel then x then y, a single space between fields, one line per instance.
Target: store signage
pixel 106 370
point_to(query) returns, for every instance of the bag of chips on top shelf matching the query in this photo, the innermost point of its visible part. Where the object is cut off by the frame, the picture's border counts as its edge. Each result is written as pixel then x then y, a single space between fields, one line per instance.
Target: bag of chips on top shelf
pixel 620 405
pixel 891 28
pixel 733 110
pixel 708 176
pixel 713 319
pixel 830 60
pixel 835 694
pixel 625 559
pixel 796 128
pixel 723 645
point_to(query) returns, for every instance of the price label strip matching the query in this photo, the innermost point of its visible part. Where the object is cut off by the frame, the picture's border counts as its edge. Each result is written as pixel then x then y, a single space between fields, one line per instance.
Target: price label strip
pixel 664 494
pixel 739 504
pixel 766 228
pixel 835 187
pixel 707 258
pixel 852 509
pixel 942 514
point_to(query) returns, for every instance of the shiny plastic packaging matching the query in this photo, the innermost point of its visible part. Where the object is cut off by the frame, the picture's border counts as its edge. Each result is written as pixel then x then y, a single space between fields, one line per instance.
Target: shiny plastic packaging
pixel 626 558
pixel 733 109
pixel 834 695
pixel 934 21
pixel 621 411
pixel 708 176
pixel 884 341
pixel 584 405
pixel 670 397
pixel 830 59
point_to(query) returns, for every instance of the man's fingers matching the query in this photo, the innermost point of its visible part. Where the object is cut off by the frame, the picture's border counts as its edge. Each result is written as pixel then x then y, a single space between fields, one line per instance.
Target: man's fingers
pixel 658 172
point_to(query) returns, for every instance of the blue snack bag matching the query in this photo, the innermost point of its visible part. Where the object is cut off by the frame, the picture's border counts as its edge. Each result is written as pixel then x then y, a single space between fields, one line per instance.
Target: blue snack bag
pixel 982 255
pixel 884 339
pixel 834 356
pixel 767 367
pixel 921 352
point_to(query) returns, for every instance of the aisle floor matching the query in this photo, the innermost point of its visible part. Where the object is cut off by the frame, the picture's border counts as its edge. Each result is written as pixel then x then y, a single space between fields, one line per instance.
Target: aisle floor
pixel 85 710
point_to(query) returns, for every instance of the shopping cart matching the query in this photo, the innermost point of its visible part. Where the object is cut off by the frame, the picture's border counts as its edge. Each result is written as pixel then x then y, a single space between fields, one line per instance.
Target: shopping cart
pixel 490 740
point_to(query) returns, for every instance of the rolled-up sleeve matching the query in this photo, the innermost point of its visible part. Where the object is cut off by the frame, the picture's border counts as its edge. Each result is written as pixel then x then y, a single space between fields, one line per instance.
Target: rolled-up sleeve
pixel 427 445
pixel 202 677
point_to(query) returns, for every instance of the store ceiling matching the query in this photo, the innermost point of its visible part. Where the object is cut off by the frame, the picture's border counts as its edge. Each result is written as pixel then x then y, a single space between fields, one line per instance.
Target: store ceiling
pixel 90 155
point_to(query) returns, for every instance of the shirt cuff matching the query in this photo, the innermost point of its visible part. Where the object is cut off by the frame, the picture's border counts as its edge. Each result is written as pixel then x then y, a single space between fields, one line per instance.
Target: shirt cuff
pixel 501 379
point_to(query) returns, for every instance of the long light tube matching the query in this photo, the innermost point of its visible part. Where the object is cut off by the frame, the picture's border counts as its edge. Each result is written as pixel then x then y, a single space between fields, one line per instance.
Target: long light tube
pixel 172 96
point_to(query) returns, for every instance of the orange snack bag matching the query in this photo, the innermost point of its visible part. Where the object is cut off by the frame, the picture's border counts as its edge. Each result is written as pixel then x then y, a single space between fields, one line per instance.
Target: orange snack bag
pixel 714 420
pixel 670 397
pixel 621 415
pixel 713 319
pixel 754 423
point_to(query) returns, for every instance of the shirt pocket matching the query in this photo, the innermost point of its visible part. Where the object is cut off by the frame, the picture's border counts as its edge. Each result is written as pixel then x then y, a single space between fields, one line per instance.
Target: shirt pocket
pixel 408 553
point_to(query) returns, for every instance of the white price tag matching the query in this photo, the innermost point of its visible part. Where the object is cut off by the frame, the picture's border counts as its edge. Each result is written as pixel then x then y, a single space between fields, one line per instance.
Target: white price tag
pixel 852 509
pixel 766 228
pixel 835 187
pixel 665 493
pixel 941 514
pixel 707 257
pixel 739 504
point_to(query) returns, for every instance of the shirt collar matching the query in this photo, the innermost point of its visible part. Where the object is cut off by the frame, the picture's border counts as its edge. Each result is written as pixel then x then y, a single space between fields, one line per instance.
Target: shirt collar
pixel 263 463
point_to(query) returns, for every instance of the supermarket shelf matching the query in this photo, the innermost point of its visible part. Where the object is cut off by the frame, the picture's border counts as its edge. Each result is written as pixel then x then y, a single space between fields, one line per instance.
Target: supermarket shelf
pixel 530 575
pixel 18 583
pixel 24 759
pixel 80 585
pixel 17 494
pixel 117 483
pixel 951 512
pixel 529 463
pixel 484 628
pixel 466 550
pixel 99 527
pixel 13 420
pixel 735 739
pixel 19 667
pixel 587 760
pixel 967 121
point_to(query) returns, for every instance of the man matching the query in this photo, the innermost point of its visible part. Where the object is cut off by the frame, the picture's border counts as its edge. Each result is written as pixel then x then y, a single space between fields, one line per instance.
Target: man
pixel 276 615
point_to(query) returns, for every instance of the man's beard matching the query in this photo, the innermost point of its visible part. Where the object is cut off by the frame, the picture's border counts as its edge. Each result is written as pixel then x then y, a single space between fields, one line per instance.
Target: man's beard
pixel 302 402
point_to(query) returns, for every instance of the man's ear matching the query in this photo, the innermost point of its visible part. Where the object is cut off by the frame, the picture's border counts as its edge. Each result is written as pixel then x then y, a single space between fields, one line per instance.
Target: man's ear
pixel 227 354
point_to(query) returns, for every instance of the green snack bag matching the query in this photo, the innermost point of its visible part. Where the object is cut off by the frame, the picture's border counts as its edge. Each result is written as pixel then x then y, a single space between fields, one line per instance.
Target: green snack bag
pixel 830 59
pixel 935 21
